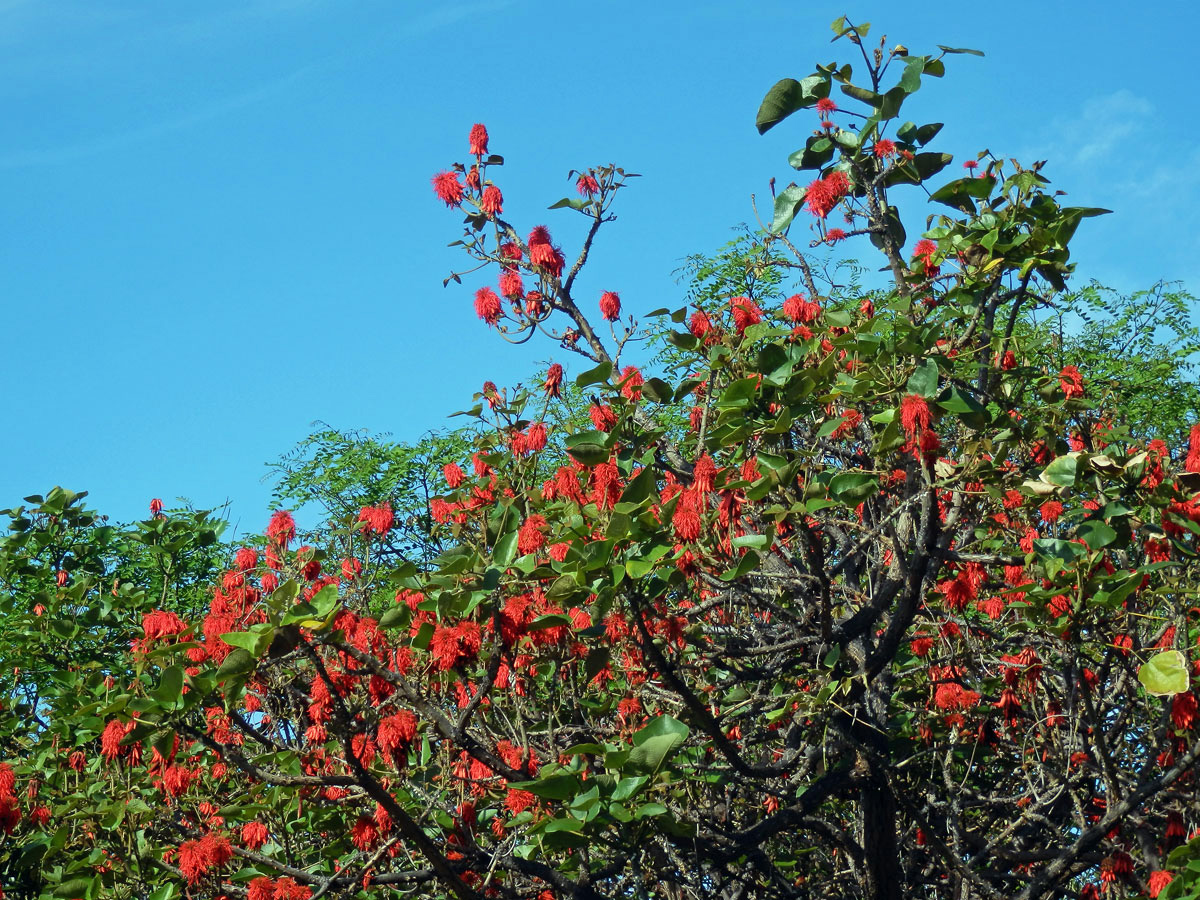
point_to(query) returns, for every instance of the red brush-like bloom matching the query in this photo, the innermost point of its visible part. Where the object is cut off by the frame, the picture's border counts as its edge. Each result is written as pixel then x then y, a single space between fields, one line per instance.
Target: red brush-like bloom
pixel 542 253
pixel 687 518
pixel 1183 711
pixel 826 193
pixel 511 284
pixel 825 106
pixel 1071 382
pixel 610 306
pixel 745 313
pixel 479 140
pixel 282 528
pixel 914 414
pixel 603 417
pixel 1050 511
pixel 554 379
pixel 1158 881
pixel 448 188
pixel 487 305
pixel 156 507
pixel 364 834
pixel 531 537
pixel 377 519
pixel 799 309
pixel 193 861
pixel 246 559
pixel 925 249
pixel 700 324
pixel 884 149
pixel 587 186
pixel 1192 464
pixel 254 834
pixel 631 383
pixel 492 201
pixel 921 645
pixel 453 474
pixel 834 235
pixel 1008 362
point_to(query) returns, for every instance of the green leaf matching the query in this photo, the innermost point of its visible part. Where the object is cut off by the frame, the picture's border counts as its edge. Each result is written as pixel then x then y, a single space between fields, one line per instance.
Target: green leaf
pixel 1164 674
pixel 853 487
pixel 598 375
pixel 787 204
pixel 1095 534
pixel 170 686
pixel 238 662
pixel 924 380
pixel 656 742
pixel 1062 471
pixel 946 49
pixel 788 96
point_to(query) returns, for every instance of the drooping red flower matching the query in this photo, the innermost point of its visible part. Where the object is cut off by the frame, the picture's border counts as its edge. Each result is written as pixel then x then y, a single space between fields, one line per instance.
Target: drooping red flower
pixel 487 305
pixel 531 536
pixel 1050 511
pixel 700 324
pixel 156 507
pixel 492 201
pixel 631 383
pixel 282 528
pixel 448 188
pixel 542 253
pixel 914 414
pixel 246 559
pixel 826 193
pixel 254 834
pixel 479 140
pixel 1183 711
pixel 377 519
pixel 193 861
pixel 587 186
pixel 364 834
pixel 1192 464
pixel 554 380
pixel 511 284
pixel 884 149
pixel 610 306
pixel 1071 381
pixel 799 309
pixel 745 313
pixel 603 417
pixel 1158 881
pixel 453 474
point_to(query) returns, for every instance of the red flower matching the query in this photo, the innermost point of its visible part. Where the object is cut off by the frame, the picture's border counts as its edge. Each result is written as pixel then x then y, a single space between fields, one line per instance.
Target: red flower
pixel 487 305
pixel 254 834
pixel 554 380
pixel 970 164
pixel 700 324
pixel 826 193
pixel 246 559
pixel 587 186
pixel 798 309
pixel 530 537
pixel 377 519
pixel 1158 880
pixel 453 474
pixel 282 528
pixel 884 148
pixel 511 284
pixel 364 834
pixel 448 188
pixel 610 306
pixel 193 861
pixel 1183 711
pixel 631 383
pixel 825 106
pixel 745 313
pixel 1050 511
pixel 1193 457
pixel 925 248
pixel 603 417
pixel 1071 381
pixel 156 507
pixel 833 235
pixel 542 253
pixel 492 201
pixel 914 414
pixel 479 140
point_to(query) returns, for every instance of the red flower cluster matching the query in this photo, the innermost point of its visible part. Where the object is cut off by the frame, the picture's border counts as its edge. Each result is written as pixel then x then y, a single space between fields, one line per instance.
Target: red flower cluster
pixel 826 193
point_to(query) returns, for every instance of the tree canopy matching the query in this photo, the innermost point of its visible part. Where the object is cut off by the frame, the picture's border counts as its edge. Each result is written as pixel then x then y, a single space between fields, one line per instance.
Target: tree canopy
pixel 841 591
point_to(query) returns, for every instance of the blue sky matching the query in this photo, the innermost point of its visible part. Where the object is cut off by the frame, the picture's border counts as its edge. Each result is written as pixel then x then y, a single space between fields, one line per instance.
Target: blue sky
pixel 218 227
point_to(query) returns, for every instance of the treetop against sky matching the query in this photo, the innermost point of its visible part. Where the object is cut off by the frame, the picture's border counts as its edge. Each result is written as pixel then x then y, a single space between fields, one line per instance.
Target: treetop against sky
pixel 217 218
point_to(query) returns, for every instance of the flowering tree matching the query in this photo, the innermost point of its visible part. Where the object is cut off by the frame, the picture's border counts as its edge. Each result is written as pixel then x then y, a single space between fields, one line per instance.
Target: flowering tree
pixel 853 598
